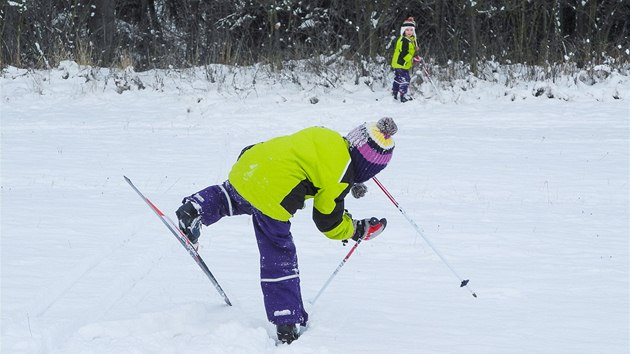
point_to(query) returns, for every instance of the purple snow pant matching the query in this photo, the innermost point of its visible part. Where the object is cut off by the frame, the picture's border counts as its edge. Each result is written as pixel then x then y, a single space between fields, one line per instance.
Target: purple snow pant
pixel 279 274
pixel 401 81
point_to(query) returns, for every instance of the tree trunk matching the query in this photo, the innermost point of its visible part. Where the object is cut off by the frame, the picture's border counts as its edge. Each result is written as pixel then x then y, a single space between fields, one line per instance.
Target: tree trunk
pixel 101 25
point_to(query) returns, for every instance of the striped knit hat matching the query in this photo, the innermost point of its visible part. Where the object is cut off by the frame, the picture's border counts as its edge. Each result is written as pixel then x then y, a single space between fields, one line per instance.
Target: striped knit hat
pixel 408 23
pixel 371 146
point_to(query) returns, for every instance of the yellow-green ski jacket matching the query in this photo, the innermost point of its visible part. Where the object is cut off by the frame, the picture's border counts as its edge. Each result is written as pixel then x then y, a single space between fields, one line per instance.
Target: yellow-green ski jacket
pixel 277 176
pixel 404 52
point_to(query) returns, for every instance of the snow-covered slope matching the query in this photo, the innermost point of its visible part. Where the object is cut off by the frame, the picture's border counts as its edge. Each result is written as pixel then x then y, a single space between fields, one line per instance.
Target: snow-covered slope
pixel 525 195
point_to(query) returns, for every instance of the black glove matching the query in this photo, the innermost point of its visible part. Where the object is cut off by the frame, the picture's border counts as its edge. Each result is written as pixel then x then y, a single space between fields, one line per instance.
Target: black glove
pixel 368 229
pixel 189 221
pixel 358 190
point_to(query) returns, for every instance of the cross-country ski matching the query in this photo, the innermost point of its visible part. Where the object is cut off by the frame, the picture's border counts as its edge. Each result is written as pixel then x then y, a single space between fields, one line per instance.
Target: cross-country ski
pixel 183 240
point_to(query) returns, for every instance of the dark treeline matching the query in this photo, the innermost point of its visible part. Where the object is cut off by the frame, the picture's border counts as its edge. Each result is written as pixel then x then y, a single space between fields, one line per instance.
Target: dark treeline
pixel 181 33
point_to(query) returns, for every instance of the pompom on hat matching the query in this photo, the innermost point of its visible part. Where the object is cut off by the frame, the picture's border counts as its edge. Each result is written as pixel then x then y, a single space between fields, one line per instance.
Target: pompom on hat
pixel 371 147
pixel 408 23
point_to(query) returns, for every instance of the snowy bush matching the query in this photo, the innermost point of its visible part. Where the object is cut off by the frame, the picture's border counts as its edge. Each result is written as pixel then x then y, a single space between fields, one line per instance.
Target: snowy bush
pixel 454 82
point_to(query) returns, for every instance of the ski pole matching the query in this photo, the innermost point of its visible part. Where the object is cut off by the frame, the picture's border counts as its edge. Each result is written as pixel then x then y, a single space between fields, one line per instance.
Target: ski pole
pixel 426 72
pixel 345 259
pixel 464 282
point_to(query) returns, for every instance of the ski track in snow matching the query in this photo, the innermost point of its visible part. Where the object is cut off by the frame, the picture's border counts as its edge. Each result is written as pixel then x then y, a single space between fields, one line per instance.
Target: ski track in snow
pixel 526 197
pixel 92 263
pixel 121 283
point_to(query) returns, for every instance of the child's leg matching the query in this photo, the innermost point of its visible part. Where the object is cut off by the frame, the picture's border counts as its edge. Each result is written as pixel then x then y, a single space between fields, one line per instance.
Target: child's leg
pixel 218 201
pixel 395 85
pixel 279 274
pixel 403 77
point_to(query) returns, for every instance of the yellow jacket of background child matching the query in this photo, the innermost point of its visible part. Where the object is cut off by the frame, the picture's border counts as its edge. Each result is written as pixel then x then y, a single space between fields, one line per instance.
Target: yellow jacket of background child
pixel 404 50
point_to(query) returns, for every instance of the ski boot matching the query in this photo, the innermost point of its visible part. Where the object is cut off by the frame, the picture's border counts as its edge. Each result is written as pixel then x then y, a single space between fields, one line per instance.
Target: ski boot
pixel 287 333
pixel 404 99
pixel 190 222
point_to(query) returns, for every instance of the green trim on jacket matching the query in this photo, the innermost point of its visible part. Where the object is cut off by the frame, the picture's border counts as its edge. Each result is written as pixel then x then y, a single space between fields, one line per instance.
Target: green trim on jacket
pixel 277 176
pixel 404 52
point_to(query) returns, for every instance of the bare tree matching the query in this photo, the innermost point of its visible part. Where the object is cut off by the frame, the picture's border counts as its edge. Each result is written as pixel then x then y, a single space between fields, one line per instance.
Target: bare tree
pixel 158 33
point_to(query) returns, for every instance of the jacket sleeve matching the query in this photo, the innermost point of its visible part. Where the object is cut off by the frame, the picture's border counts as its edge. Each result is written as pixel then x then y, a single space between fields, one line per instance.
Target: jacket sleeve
pixel 343 231
pixel 404 52
pixel 336 224
pixel 329 213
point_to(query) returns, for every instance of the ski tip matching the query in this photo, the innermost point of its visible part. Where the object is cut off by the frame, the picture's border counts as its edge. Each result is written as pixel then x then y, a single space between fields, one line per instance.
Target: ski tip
pixel 126 178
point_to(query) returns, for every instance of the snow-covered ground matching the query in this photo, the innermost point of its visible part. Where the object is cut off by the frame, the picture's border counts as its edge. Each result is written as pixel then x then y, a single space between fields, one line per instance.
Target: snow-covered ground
pixel 525 195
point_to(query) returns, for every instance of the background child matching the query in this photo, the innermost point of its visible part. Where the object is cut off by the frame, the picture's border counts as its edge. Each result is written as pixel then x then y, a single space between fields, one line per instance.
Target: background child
pixel 404 58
